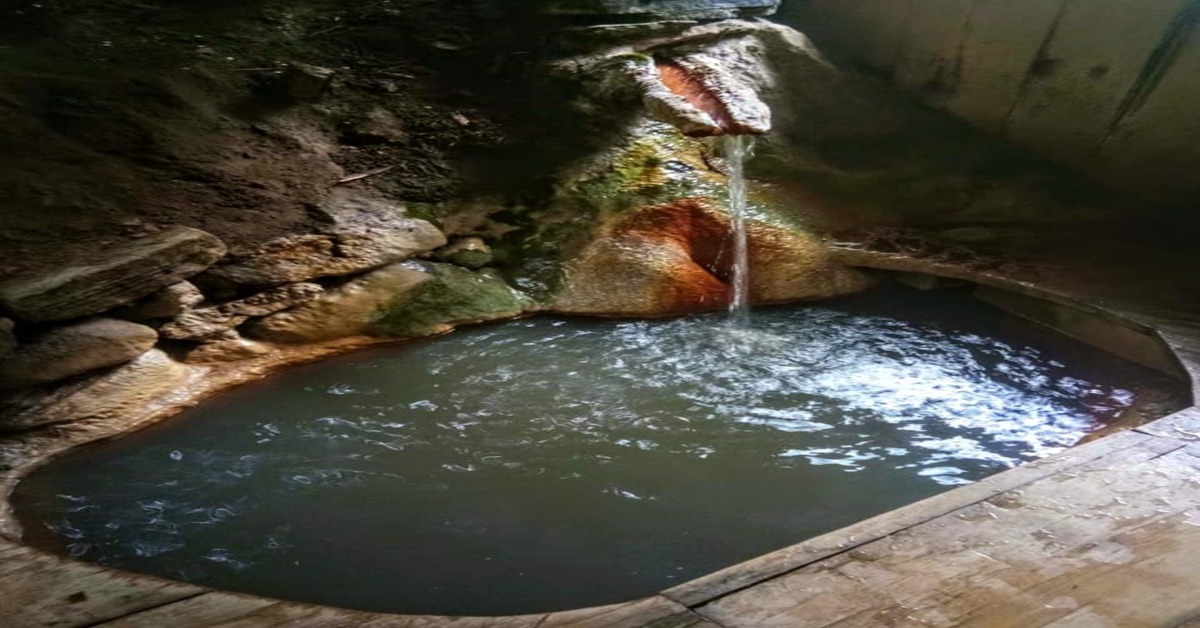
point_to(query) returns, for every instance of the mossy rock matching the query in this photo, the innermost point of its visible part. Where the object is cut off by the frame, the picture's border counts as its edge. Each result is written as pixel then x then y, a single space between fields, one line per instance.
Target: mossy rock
pixel 451 297
pixel 655 164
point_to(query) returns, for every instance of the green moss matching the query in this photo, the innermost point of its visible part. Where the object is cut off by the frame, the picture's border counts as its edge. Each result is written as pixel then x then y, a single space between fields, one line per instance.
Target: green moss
pixel 452 296
pixel 656 164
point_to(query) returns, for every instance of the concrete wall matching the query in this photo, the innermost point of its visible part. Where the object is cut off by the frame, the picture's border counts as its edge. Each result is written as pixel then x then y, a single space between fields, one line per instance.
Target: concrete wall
pixel 1110 87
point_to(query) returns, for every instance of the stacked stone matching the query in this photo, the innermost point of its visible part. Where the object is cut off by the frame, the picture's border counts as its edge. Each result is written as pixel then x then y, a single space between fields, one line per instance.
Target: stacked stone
pixel 106 336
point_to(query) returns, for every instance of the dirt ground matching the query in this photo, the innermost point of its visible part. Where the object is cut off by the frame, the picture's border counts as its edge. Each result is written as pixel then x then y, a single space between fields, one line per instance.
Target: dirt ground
pixel 121 117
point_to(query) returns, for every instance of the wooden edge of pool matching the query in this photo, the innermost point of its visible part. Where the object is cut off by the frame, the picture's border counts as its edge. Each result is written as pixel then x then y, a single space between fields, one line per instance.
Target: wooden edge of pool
pixel 806 584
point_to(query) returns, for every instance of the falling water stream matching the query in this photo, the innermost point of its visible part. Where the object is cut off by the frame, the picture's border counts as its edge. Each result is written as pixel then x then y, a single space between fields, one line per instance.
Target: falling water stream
pixel 736 150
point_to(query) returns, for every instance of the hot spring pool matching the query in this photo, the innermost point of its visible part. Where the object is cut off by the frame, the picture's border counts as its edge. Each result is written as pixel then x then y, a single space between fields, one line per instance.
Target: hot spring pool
pixel 551 464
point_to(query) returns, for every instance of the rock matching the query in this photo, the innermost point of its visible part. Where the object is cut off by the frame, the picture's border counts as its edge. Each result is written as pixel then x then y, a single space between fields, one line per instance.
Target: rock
pixel 8 341
pixel 701 90
pixel 788 265
pixel 662 9
pixel 69 351
pixel 674 258
pixel 404 300
pixel 217 323
pixel 366 233
pixel 231 349
pixel 377 126
pixel 584 37
pixel 169 302
pixel 341 312
pixel 118 276
pixel 202 325
pixel 452 296
pixel 119 394
pixel 305 82
pixel 467 252
pixel 274 300
pixel 638 278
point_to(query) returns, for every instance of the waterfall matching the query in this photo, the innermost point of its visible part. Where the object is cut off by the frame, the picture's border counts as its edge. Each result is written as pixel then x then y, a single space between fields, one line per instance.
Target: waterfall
pixel 736 150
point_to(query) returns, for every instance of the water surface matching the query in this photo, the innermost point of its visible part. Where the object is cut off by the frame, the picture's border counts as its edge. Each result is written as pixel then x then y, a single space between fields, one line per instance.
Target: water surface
pixel 550 464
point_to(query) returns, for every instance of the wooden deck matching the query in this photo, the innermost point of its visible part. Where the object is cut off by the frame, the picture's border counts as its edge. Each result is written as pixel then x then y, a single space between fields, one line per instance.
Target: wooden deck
pixel 1103 535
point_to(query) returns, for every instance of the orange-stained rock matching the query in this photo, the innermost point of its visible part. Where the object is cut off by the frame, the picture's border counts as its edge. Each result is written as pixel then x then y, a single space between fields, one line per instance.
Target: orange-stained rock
pixel 674 258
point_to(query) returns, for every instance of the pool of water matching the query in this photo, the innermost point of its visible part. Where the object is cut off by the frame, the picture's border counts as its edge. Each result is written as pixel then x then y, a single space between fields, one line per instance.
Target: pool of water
pixel 549 464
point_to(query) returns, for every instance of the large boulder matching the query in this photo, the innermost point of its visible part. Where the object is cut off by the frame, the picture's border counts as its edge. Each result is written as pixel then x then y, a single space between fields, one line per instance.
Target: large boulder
pixel 345 311
pixel 121 393
pixel 452 296
pixel 116 276
pixel 364 233
pixel 644 230
pixel 675 258
pixel 404 300
pixel 69 351
pixel 844 150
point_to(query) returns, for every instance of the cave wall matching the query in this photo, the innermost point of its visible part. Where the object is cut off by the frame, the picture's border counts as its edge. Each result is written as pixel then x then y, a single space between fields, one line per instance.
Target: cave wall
pixel 1108 87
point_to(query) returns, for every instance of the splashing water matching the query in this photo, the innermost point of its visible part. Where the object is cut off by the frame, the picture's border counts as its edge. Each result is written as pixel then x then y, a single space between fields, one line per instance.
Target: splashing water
pixel 737 149
pixel 550 464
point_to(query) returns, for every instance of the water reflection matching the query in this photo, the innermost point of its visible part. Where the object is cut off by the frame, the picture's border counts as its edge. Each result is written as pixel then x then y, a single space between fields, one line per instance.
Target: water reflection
pixel 547 464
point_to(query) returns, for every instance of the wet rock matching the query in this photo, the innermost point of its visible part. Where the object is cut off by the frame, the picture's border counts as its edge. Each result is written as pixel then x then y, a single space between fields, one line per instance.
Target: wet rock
pixel 788 265
pixel 662 9
pixel 404 300
pixel 231 349
pixel 8 341
pixel 341 312
pixel 305 82
pixel 169 302
pixel 675 258
pixel 202 325
pixel 702 90
pixel 117 276
pixel 365 233
pixel 584 37
pixel 69 351
pixel 467 252
pixel 117 394
pixel 274 300
pixel 452 296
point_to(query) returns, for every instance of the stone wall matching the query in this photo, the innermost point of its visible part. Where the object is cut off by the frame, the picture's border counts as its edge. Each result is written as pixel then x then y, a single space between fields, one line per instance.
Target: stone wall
pixel 1109 87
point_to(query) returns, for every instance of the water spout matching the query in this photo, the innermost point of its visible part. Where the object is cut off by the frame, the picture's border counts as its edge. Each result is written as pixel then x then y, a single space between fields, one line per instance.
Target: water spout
pixel 736 150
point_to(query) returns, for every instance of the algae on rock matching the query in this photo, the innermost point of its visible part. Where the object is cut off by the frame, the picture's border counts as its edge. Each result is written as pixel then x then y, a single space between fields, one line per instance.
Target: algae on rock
pixel 451 296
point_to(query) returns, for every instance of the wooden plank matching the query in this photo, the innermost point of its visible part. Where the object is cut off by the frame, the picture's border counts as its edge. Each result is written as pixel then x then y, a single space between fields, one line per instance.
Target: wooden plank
pixel 1183 425
pixel 1080 80
pixel 1001 43
pixel 1118 337
pixel 1118 536
pixel 310 616
pixel 930 58
pixel 198 612
pixel 37 589
pixel 656 611
pixel 771 565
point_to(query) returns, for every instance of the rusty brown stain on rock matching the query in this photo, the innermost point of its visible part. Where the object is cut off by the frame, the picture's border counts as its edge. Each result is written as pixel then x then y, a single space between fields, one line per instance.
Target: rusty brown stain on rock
pixel 689 86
